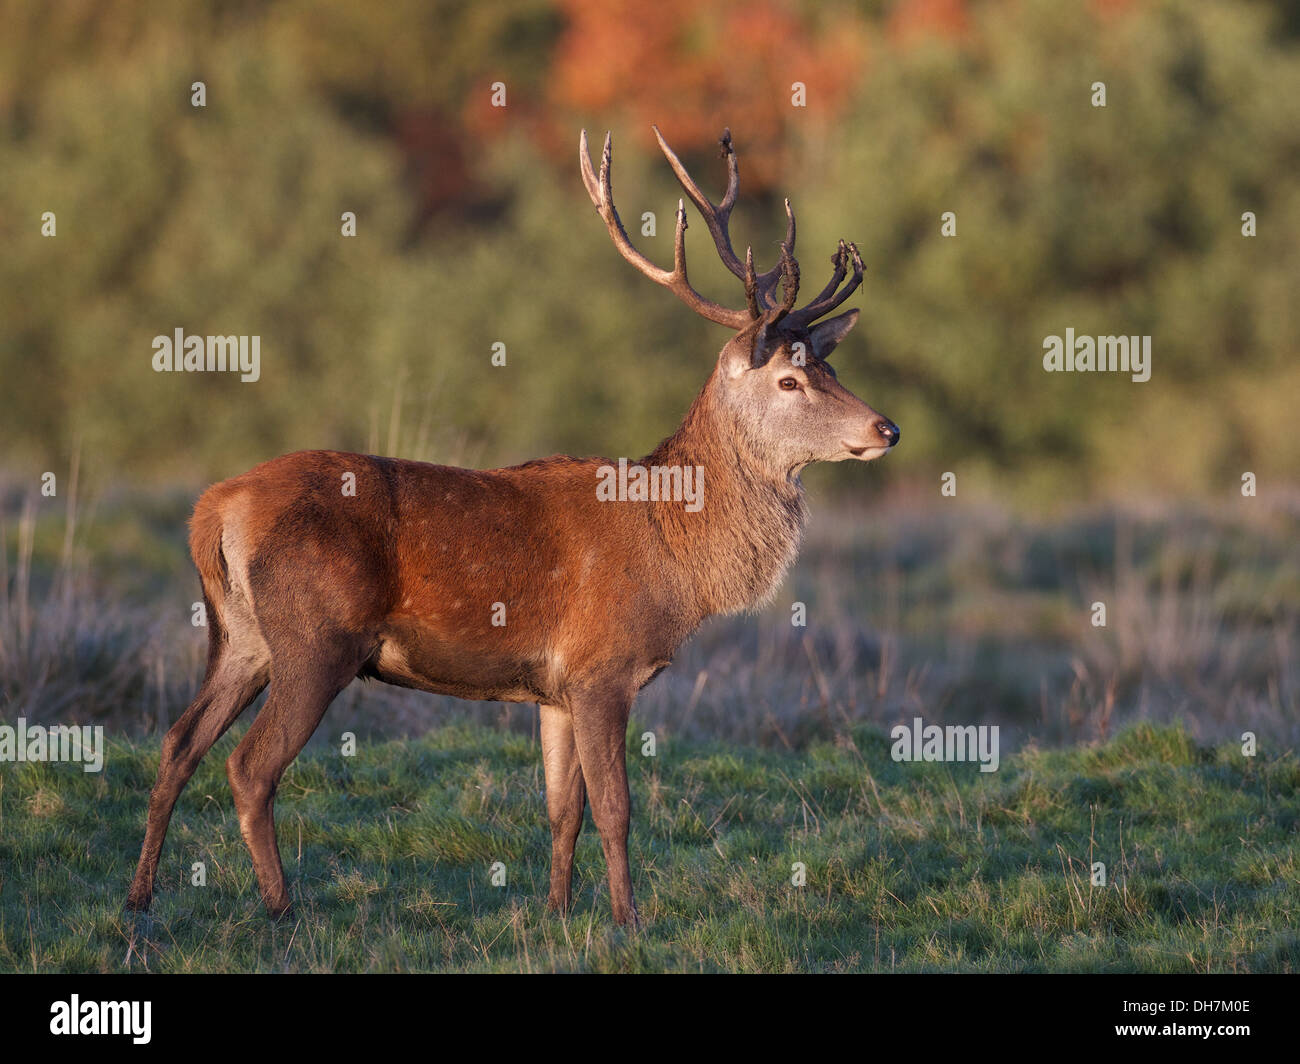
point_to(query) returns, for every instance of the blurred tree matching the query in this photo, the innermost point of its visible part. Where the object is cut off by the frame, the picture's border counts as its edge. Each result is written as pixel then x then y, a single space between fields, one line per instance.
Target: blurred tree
pixel 420 72
pixel 1125 219
pixel 692 68
pixel 225 220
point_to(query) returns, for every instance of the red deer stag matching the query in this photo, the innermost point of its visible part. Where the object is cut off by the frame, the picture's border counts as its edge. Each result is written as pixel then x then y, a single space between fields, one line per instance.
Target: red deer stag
pixel 308 587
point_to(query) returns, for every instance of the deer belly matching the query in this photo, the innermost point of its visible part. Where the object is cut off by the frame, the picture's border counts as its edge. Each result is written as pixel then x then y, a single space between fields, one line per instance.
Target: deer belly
pixel 459 668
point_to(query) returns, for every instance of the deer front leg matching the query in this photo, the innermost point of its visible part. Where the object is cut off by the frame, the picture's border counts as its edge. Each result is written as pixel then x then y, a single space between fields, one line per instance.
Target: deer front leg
pixel 600 728
pixel 566 799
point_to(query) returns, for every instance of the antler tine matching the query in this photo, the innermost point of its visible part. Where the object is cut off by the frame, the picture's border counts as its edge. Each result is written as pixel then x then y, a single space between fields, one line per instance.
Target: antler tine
pixel 588 175
pixel 789 282
pixel 602 195
pixel 839 259
pixel 828 299
pixel 716 218
pixel 767 281
pixel 733 172
pixel 679 242
pixel 751 285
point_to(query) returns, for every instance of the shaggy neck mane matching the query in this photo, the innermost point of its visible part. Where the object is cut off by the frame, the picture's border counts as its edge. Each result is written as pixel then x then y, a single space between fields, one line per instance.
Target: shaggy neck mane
pixel 735 550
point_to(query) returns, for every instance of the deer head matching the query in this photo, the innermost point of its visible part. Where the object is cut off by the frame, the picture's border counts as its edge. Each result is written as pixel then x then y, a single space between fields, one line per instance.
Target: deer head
pixel 773 379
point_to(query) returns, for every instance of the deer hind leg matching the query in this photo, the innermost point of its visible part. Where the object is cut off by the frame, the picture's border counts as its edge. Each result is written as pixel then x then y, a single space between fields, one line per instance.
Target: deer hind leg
pixel 600 729
pixel 303 684
pixel 237 672
pixel 566 800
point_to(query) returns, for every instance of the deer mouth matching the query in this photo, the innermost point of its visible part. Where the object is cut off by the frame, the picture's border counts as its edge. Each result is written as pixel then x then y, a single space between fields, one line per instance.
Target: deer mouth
pixel 866 452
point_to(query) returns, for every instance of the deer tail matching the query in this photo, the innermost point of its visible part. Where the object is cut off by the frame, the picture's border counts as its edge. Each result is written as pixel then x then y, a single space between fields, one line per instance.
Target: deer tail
pixel 205 549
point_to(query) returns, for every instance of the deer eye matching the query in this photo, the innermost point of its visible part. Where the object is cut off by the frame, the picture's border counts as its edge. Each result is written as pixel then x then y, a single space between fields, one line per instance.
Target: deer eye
pixel 789 383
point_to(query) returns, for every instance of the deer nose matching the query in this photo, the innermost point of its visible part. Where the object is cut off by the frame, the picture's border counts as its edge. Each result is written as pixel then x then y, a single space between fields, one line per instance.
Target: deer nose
pixel 888 431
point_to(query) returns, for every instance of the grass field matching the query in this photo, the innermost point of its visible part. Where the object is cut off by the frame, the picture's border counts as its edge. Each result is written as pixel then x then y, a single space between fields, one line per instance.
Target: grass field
pixel 961 612
pixel 1120 744
pixel 909 867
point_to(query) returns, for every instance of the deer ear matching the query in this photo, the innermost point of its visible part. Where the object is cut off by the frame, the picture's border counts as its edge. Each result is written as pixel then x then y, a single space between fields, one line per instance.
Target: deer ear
pixel 827 334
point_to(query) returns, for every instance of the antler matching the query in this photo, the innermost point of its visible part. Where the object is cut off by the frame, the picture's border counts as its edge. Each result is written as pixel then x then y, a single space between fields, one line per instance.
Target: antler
pixel 602 195
pixel 718 219
pixel 827 299
pixel 760 289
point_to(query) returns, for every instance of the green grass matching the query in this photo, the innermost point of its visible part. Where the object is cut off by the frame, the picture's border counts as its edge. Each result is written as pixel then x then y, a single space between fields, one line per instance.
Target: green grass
pixel 1117 747
pixel 909 868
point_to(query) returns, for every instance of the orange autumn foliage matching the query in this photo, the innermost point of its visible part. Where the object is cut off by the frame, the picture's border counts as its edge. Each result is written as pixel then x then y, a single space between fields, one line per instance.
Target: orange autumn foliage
pixel 915 19
pixel 692 68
